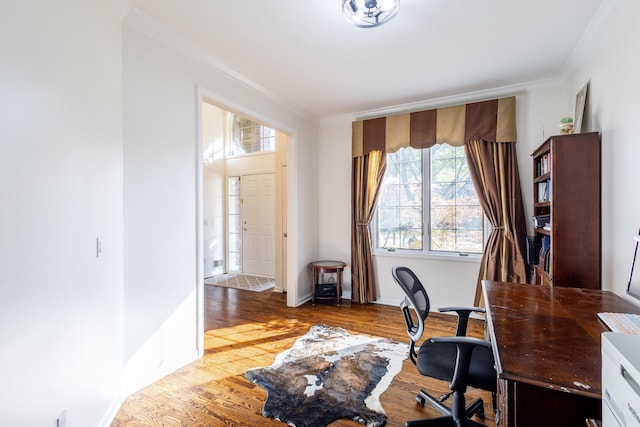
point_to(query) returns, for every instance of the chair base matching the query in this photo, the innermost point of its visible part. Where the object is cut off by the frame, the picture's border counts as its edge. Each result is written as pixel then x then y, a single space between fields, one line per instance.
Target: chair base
pixel 443 422
pixel 475 407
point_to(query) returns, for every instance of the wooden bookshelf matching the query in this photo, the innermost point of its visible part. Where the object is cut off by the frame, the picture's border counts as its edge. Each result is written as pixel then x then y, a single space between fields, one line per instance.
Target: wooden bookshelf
pixel 566 188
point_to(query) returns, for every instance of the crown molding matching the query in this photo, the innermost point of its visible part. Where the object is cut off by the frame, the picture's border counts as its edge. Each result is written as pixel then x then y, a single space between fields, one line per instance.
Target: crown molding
pixel 122 8
pixel 446 101
pixel 589 39
pixel 149 26
pixel 154 29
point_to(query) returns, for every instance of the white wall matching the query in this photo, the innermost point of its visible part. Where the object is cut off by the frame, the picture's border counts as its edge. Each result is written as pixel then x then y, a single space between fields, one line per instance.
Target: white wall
pixel 251 164
pixel 61 188
pixel 213 190
pixel 161 89
pixel 613 110
pixel 334 160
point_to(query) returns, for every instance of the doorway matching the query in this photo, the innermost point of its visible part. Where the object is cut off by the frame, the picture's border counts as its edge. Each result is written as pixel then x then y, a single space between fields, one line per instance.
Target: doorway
pixel 286 244
pixel 243 200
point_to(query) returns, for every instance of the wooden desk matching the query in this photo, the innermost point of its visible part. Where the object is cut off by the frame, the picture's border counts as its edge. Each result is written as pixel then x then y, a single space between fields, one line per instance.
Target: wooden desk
pixel 546 342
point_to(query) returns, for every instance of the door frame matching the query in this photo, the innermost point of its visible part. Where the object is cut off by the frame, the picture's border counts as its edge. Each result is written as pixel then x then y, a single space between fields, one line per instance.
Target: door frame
pixel 206 95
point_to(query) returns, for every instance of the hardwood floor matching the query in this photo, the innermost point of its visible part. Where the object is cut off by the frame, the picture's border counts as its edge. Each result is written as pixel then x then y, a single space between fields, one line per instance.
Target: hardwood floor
pixel 246 330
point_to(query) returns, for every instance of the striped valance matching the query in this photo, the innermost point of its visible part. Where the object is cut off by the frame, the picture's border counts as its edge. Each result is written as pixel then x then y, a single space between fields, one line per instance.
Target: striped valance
pixel 493 121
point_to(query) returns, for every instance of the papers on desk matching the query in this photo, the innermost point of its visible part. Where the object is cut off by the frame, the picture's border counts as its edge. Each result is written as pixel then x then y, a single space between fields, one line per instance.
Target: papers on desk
pixel 625 323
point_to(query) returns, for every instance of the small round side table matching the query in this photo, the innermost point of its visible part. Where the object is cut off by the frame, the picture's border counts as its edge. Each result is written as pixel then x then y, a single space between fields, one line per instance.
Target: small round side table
pixel 319 267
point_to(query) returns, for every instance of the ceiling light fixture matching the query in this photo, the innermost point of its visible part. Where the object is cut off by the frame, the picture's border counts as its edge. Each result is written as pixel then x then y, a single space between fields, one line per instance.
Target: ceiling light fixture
pixel 369 13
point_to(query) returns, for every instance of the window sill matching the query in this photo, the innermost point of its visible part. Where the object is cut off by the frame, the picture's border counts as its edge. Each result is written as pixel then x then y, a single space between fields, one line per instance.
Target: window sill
pixel 473 258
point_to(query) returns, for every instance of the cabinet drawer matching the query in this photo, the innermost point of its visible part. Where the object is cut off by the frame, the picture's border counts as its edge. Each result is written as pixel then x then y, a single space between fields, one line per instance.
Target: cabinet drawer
pixel 620 385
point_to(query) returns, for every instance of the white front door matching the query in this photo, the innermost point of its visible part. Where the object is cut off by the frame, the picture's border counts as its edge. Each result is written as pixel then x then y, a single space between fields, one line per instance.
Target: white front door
pixel 258 206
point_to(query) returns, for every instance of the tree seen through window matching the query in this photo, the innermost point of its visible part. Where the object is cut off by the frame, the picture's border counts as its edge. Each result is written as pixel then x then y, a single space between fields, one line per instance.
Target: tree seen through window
pixel 431 187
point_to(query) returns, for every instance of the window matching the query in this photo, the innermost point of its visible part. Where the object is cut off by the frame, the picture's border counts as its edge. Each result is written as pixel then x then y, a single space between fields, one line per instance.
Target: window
pixel 428 204
pixel 234 225
pixel 247 136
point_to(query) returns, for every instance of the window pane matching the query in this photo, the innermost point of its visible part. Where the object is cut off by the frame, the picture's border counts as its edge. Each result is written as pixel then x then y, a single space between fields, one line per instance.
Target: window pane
pixel 455 217
pixel 456 214
pixel 410 228
pixel 411 195
pixel 443 217
pixel 247 136
pixel 389 195
pixel 443 194
pixel 443 170
pixel 442 151
pixel 463 171
pixel 388 217
pixel 399 213
pixel 234 235
pixel 442 239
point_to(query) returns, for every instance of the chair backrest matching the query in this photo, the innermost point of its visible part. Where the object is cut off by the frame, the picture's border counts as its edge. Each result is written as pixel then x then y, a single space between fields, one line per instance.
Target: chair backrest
pixel 415 298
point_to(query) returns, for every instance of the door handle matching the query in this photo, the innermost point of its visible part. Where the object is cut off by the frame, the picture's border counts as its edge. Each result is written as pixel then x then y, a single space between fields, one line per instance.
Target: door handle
pixel 630 380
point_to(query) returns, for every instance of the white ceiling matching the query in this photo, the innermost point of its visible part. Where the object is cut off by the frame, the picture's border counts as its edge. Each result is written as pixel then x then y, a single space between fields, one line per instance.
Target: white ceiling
pixel 305 53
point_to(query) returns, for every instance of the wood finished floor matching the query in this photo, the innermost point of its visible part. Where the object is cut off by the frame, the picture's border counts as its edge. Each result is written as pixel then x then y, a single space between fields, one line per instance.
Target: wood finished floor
pixel 246 330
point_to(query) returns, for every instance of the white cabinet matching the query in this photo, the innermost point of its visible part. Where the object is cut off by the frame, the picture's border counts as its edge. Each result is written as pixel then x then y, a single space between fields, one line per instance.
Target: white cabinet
pixel 620 380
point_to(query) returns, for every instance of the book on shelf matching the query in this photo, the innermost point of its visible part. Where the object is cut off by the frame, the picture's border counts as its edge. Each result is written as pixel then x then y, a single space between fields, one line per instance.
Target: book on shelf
pixel 543 191
pixel 543 165
pixel 546 242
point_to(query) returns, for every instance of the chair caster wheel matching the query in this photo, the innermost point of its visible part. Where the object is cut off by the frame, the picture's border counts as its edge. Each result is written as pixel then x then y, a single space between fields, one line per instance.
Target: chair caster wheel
pixel 420 400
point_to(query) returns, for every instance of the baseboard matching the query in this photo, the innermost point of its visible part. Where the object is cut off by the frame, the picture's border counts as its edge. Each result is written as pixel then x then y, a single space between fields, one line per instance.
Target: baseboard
pixel 386 301
pixel 112 412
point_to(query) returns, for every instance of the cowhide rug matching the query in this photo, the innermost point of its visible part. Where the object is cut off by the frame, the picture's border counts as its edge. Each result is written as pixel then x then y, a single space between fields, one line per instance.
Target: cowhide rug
pixel 330 374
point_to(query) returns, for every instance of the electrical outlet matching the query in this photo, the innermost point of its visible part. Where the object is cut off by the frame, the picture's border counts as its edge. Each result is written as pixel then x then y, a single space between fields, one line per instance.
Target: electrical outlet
pixel 62 419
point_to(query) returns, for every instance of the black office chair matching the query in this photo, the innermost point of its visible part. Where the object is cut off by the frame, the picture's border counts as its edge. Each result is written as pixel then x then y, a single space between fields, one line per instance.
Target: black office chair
pixel 460 360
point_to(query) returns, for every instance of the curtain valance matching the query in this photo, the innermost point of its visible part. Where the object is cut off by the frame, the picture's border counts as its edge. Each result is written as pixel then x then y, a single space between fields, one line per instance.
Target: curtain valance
pixel 493 121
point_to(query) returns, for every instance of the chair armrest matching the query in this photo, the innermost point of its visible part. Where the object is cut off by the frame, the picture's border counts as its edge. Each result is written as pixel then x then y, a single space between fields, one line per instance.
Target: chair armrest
pixel 463 316
pixel 463 308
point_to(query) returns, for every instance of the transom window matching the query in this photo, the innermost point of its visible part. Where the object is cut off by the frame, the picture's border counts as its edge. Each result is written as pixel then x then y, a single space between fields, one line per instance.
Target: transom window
pixel 247 136
pixel 428 203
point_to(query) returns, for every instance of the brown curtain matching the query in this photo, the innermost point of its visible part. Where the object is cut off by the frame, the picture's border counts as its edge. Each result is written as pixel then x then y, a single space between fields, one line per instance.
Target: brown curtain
pixel 490 125
pixel 367 173
pixel 494 171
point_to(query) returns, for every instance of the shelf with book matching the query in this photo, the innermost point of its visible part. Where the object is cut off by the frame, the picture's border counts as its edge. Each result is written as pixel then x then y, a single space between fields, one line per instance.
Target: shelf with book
pixel 566 211
pixel 543 232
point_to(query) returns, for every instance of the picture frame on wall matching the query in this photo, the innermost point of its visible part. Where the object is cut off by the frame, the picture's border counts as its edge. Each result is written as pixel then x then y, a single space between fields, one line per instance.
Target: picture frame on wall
pixel 581 100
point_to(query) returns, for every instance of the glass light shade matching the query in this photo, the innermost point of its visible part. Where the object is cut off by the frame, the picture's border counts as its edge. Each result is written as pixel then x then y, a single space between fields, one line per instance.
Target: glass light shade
pixel 369 13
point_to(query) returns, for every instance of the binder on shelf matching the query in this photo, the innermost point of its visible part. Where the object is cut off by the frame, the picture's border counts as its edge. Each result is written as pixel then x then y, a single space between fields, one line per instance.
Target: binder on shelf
pixel 545 251
pixel 540 221
pixel 547 262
